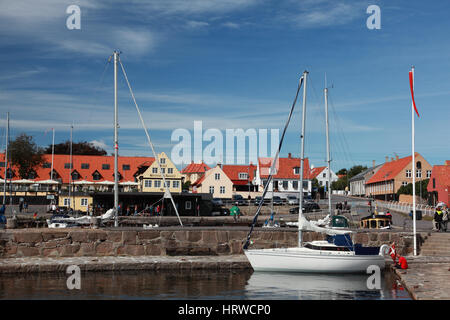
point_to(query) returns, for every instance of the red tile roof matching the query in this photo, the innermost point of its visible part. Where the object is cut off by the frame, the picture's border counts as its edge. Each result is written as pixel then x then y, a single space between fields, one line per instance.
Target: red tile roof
pixel 285 168
pixel 196 168
pixel 390 170
pixel 315 171
pixel 232 171
pixel 199 181
pixel 441 174
pixel 95 164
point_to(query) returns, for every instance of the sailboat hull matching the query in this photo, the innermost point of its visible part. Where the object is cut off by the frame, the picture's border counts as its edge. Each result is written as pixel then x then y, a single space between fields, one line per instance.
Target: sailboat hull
pixel 311 261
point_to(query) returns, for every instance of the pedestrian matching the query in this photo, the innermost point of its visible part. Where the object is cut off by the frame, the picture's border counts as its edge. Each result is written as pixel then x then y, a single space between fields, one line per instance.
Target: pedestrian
pixel 135 209
pixel 2 217
pixel 438 216
pixel 445 218
pixel 402 263
pixel 25 206
pixel 235 212
pixel 20 206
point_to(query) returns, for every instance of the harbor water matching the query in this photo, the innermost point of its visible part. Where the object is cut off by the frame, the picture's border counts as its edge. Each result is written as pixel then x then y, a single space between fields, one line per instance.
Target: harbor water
pixel 205 285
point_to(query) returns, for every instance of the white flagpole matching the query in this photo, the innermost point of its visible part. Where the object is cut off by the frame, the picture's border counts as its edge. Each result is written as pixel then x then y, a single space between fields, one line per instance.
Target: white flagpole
pixel 413 169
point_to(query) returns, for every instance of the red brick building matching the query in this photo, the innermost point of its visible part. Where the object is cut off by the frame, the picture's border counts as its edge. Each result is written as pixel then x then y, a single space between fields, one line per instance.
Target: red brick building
pixel 439 184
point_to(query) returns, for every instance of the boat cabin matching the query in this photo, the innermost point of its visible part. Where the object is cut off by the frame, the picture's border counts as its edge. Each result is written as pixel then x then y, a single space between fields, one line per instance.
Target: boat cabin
pixel 339 222
pixel 376 222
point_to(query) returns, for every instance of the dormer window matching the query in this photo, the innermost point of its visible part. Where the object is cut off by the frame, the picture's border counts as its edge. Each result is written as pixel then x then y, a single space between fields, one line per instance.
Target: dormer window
pixel 297 170
pixel 243 176
pixel 96 176
pixel 75 175
pixel 162 160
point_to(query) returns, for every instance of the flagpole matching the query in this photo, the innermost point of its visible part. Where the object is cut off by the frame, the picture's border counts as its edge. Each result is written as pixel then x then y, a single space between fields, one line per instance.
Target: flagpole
pixel 413 168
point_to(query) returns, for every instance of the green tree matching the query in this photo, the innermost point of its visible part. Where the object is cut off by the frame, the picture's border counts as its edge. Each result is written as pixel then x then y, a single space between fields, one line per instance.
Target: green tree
pixel 421 189
pixel 25 155
pixel 78 148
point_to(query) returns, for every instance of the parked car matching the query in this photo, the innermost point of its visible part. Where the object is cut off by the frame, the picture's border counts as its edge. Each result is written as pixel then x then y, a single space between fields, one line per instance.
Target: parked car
pixel 258 200
pixel 238 200
pixel 292 200
pixel 220 211
pixel 307 207
pixel 217 202
pixel 277 201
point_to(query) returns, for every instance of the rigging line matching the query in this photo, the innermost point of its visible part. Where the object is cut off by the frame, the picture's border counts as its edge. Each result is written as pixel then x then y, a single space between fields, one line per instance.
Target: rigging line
pixel 343 135
pixel 150 142
pixel 271 173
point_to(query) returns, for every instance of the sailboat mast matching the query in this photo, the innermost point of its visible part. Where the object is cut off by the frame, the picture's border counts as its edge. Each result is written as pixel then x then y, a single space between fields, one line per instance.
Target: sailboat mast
pixel 328 150
pixel 71 167
pixel 53 152
pixel 6 157
pixel 302 155
pixel 116 144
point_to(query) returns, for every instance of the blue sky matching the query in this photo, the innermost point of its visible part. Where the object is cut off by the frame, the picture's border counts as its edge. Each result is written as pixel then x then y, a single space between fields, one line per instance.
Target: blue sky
pixel 231 64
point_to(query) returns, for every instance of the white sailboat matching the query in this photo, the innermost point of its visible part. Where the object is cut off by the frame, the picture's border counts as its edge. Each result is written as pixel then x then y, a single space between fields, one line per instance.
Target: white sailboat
pixel 335 255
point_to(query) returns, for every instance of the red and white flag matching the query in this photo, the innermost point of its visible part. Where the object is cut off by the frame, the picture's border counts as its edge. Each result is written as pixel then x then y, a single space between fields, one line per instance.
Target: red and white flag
pixel 411 84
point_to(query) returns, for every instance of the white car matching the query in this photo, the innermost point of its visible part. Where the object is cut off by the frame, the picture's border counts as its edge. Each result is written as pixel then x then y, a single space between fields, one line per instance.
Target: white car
pixel 292 200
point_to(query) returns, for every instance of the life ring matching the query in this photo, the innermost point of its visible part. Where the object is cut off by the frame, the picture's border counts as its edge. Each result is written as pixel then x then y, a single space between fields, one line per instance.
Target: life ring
pixel 385 249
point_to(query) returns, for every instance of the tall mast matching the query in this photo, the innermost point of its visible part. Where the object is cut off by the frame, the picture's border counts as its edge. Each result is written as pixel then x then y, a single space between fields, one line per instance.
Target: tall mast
pixel 116 145
pixel 302 154
pixel 70 168
pixel 53 152
pixel 6 157
pixel 328 150
pixel 413 170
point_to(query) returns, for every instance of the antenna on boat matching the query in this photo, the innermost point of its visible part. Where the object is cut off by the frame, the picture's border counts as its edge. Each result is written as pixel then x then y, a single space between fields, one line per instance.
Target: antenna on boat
pixel 328 147
pixel 302 155
pixel 116 142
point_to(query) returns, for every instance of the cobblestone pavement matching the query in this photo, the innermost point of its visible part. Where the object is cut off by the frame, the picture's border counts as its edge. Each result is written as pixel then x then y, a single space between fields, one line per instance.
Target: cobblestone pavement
pixel 427 278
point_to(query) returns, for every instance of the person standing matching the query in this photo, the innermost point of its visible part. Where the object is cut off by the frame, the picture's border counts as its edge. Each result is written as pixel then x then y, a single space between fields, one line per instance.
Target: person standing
pixel 438 216
pixel 445 218
pixel 235 212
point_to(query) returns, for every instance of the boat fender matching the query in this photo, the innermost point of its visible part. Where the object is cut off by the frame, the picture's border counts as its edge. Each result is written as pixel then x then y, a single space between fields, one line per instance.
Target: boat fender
pixel 384 250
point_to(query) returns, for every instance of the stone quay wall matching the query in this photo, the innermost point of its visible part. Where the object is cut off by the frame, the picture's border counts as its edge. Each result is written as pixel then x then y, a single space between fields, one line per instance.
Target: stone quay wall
pixel 17 243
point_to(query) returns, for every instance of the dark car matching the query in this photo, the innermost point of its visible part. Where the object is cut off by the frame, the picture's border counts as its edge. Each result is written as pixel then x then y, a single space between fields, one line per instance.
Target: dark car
pixel 220 211
pixel 217 202
pixel 239 200
pixel 258 200
pixel 277 201
pixel 307 207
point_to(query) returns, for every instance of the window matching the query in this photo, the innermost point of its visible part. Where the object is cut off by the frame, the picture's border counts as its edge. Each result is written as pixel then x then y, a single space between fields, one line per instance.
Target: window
pixel 84 202
pixel 163 170
pixel 66 202
pixel 188 205
pixel 222 189
pixel 434 183
pixel 147 183
pixel 158 184
pixel 75 175
pixel 46 165
pixel 428 174
pixel 297 170
pixel 324 175
pixel 170 170
pixel 96 176
pixel 217 176
pixel 105 166
pixel 154 170
pixel 67 166
pixel 85 166
pixel 168 184
pixel 32 175
pixel 408 173
pixel 285 185
pixel 162 160
pixel 125 167
pixel 418 173
pixel 243 176
pixel 175 184
pixel 211 189
pixel 295 185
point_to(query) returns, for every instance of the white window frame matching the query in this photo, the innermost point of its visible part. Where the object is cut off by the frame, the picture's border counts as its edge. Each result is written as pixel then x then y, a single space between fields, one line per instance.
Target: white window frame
pixel 147 183
pixel 157 183
pixel 175 184
pixel 217 176
pixel 84 202
pixel 188 205
pixel 408 173
pixel 162 160
pixel 243 176
pixel 170 170
pixel 67 202
pixel 155 170
pixel 418 173
pixel 222 189
pixel 211 188
pixel 429 174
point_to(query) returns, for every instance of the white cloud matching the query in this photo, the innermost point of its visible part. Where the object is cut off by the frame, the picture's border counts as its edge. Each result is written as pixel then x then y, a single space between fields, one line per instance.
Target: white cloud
pixel 231 25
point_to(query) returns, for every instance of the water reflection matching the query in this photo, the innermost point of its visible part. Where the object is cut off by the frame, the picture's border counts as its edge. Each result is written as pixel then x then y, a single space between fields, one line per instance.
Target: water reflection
pixel 242 284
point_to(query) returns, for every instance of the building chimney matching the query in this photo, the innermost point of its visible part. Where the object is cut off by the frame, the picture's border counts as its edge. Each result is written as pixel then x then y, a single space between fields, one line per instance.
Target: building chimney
pixel 289 155
pixel 396 157
pixel 392 159
pixel 387 159
pixel 219 165
pixel 373 163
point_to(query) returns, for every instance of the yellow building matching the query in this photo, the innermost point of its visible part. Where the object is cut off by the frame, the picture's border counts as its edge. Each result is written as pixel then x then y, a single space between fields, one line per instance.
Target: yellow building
pixel 81 202
pixel 215 182
pixel 150 180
